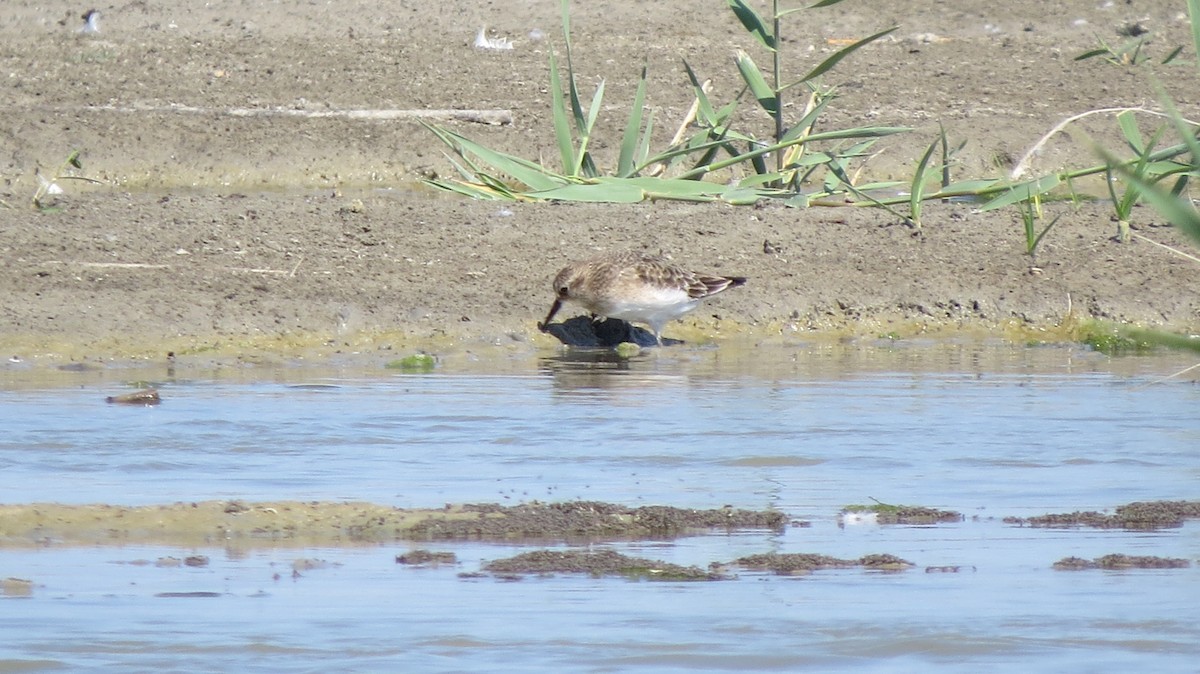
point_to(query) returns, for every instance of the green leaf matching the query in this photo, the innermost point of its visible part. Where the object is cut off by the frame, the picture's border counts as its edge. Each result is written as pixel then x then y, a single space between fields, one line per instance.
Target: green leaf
pixel 1023 192
pixel 629 155
pixel 762 91
pixel 705 110
pixel 753 23
pixel 966 188
pixel 524 171
pixel 1095 52
pixel 805 123
pixel 830 62
pixel 1193 7
pixel 609 193
pixel 916 194
pixel 1129 128
pixel 1179 210
pixel 583 166
pixel 558 111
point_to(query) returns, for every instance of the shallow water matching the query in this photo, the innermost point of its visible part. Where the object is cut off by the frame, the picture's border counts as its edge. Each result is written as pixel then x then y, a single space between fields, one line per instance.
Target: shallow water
pixel 986 429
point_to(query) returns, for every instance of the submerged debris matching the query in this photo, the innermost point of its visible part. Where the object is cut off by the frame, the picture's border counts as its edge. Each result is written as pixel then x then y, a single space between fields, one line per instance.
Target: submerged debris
pixel 596 563
pixel 1119 561
pixel 798 563
pixel 146 397
pixel 1141 515
pixel 426 558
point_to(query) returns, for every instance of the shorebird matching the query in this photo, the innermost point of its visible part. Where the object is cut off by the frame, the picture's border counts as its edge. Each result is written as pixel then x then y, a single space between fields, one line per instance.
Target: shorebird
pixel 636 287
pixel 91 22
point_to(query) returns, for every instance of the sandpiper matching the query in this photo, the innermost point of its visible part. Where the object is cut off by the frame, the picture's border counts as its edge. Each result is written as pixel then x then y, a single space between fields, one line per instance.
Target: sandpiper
pixel 635 286
pixel 91 22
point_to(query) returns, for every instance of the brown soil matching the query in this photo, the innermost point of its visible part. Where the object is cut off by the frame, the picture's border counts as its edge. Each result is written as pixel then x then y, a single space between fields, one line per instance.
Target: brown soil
pixel 216 229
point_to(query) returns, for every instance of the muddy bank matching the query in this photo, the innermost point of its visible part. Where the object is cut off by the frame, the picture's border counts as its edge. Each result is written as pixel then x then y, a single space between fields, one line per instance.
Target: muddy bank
pixel 221 232
pixel 294 523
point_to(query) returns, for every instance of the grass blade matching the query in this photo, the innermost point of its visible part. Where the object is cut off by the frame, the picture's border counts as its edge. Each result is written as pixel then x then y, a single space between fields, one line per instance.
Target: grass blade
pixel 584 165
pixel 1193 7
pixel 627 158
pixel 917 193
pixel 840 54
pixel 762 91
pixel 1129 129
pixel 558 110
pixel 527 172
pixel 753 23
pixel 1023 192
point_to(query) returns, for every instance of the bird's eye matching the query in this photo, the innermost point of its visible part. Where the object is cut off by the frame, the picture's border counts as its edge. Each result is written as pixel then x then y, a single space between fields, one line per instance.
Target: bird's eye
pixel 563 292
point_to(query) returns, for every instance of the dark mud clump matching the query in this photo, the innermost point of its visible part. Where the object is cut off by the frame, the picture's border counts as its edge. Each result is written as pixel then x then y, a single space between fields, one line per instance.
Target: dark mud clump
pixel 426 558
pixel 1142 515
pixel 1118 561
pixel 887 513
pixel 801 563
pixel 591 520
pixel 596 563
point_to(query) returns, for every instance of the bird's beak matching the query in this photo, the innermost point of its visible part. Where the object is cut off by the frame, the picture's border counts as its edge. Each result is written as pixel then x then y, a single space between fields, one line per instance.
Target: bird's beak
pixel 553 310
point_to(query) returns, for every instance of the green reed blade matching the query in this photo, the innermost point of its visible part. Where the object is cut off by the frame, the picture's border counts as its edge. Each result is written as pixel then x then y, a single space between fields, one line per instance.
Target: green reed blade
pixel 753 23
pixel 837 56
pixel 558 111
pixel 1129 129
pixel 1193 7
pixel 1024 191
pixel 754 79
pixel 628 156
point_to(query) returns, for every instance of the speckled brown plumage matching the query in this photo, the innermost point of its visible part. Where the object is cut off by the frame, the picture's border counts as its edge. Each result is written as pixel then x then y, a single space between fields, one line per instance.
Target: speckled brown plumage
pixel 635 286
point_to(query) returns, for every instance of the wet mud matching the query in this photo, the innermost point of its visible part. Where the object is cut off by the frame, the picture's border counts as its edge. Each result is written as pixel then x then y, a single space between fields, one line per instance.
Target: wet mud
pixel 1146 515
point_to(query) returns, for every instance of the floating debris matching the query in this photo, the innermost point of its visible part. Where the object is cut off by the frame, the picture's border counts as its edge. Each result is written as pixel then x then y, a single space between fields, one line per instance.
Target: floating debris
pixel 144 397
pixel 426 558
pixel 311 564
pixel 16 587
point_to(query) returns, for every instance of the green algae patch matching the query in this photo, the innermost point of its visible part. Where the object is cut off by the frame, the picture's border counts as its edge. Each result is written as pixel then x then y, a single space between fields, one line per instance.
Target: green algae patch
pixel 1120 561
pixel 596 564
pixel 1141 515
pixel 800 563
pixel 294 523
pixel 887 513
pixel 418 362
pixel 592 520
